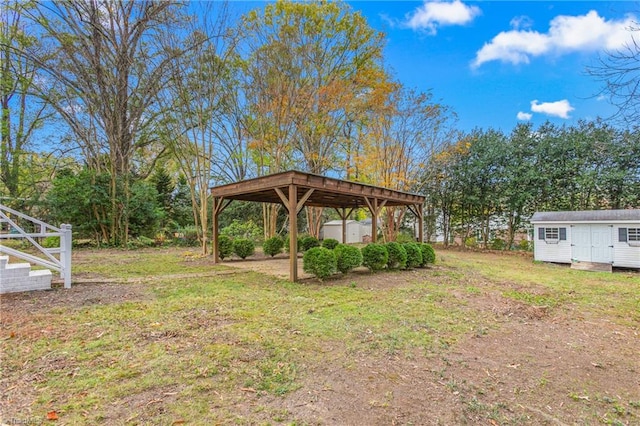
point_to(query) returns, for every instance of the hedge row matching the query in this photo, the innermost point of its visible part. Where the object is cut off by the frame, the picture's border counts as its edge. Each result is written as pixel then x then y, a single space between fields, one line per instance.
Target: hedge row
pixel 323 262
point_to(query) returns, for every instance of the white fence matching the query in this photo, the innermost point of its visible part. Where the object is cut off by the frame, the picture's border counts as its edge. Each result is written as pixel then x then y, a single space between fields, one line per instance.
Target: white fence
pixel 12 226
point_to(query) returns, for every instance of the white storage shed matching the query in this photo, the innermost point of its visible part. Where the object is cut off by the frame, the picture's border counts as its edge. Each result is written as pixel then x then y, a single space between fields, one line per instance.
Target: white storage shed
pixel 333 229
pixel 596 236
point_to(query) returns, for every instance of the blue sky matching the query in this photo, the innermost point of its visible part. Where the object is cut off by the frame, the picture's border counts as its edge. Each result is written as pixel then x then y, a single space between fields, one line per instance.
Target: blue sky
pixel 497 63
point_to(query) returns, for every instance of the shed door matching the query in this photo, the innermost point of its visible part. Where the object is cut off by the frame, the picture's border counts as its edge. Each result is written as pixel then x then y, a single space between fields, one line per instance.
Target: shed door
pixel 601 246
pixel 581 243
pixel 591 243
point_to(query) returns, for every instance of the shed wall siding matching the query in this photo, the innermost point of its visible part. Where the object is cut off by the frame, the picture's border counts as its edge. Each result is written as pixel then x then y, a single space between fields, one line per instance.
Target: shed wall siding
pixel 335 231
pixel 547 252
pixel 625 255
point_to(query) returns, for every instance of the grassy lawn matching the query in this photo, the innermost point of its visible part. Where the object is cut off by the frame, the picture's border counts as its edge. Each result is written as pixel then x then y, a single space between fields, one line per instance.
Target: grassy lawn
pixel 183 348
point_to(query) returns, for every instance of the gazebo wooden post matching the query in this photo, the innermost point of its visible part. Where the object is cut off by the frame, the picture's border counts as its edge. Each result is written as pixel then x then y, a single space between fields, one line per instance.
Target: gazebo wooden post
pixel 293 233
pixel 344 226
pixel 219 204
pixel 420 210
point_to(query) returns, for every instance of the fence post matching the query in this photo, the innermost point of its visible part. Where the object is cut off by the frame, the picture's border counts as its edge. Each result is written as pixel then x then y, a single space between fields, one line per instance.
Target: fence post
pixel 65 254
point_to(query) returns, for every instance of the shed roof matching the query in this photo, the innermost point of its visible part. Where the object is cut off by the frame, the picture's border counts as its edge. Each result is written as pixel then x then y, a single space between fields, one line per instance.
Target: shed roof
pixel 588 216
pixel 339 222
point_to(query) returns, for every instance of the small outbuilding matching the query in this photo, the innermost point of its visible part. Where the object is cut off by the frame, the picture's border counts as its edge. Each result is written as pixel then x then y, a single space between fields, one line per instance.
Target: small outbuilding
pixel 354 234
pixel 588 237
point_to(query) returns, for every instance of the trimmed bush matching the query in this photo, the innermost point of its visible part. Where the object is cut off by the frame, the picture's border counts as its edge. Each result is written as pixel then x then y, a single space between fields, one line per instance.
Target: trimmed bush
pixel 273 246
pixel 428 254
pixel 330 243
pixel 243 247
pixel 414 255
pixel 286 244
pixel 319 261
pixel 397 255
pixel 309 242
pixel 225 246
pixel 348 257
pixel 375 256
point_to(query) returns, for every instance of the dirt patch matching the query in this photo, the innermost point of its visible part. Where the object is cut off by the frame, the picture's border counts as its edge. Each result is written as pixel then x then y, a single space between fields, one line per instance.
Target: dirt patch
pixel 551 370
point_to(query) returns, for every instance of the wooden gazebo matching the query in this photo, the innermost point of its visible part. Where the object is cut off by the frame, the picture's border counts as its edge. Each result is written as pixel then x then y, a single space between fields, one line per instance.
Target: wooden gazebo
pixel 295 190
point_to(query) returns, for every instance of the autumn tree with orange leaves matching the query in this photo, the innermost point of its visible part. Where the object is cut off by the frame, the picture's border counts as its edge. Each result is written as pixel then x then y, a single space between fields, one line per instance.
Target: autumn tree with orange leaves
pixel 318 59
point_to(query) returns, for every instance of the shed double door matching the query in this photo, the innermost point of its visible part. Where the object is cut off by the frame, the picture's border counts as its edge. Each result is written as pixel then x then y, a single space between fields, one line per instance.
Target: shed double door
pixel 591 243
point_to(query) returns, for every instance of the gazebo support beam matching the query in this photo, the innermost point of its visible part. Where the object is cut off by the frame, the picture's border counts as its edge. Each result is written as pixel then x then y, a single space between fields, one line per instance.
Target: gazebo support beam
pixel 375 209
pixel 418 212
pixel 344 214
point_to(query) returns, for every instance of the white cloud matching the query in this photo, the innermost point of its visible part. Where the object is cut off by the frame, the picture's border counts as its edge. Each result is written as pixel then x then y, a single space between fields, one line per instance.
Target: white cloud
pixel 433 14
pixel 524 116
pixel 556 109
pixel 521 22
pixel 566 34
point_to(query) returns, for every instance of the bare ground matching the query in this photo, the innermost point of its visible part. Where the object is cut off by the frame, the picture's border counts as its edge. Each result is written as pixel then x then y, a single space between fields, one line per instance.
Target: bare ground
pixel 534 365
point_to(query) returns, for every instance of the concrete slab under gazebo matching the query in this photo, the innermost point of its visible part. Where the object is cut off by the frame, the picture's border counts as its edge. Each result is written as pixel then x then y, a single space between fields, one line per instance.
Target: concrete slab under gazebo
pixel 295 190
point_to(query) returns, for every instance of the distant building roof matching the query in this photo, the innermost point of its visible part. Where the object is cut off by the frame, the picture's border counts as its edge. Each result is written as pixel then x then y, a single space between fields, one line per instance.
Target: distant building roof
pixel 338 222
pixel 587 216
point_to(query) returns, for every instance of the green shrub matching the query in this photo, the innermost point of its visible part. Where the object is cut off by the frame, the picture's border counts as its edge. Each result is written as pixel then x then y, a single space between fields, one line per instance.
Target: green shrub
pixel 397 255
pixel 188 236
pixel 498 244
pixel 404 237
pixel 348 257
pixel 330 243
pixel 428 254
pixel 525 245
pixel 243 247
pixel 309 242
pixel 273 246
pixel 414 255
pixel 51 242
pixel 471 242
pixel 319 261
pixel 225 246
pixel 286 244
pixel 375 256
pixel 245 230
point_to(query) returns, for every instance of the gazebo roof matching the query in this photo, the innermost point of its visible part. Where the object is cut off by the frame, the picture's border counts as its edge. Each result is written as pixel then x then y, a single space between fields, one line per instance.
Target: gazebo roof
pixel 327 191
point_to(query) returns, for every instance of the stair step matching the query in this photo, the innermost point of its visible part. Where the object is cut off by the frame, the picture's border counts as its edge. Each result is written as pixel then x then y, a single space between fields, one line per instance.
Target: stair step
pixel 16 270
pixel 40 273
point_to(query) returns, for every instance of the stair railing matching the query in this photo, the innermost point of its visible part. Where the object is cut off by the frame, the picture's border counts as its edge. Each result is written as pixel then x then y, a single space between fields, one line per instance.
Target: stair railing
pixel 46 256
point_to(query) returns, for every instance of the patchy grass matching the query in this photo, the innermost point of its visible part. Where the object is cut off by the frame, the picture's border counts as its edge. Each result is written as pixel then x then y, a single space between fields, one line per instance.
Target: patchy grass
pixel 207 350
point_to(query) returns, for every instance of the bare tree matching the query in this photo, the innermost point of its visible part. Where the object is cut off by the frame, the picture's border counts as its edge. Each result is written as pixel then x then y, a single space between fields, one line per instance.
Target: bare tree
pixel 103 80
pixel 619 72
pixel 196 102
